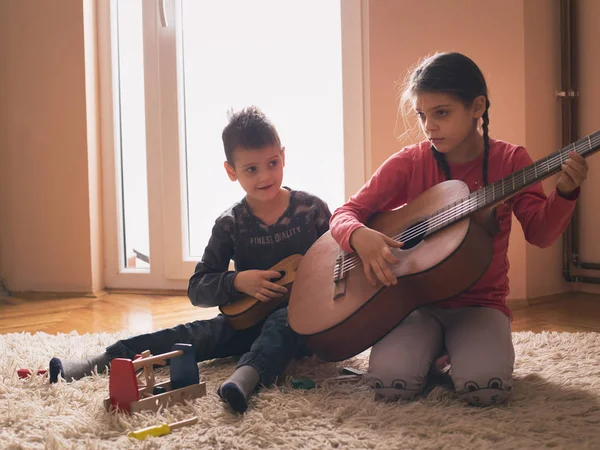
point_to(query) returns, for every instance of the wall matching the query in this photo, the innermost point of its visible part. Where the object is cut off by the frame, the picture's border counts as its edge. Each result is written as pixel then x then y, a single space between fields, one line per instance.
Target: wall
pixel 515 44
pixel 588 12
pixel 48 169
pixel 543 127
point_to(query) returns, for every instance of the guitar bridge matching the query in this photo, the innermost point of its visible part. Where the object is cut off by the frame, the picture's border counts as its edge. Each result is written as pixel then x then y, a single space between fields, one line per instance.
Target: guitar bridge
pixel 339 277
pixel 339 289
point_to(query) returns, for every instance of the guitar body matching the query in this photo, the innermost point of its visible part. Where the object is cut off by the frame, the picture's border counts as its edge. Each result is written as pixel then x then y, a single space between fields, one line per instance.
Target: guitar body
pixel 248 311
pixel 341 319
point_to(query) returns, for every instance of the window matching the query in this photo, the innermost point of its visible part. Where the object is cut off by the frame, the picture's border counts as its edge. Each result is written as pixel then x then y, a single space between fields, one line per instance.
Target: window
pixel 171 71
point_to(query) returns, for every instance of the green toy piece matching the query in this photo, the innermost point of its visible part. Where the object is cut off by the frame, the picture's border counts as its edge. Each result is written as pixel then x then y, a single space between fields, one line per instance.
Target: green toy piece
pixel 303 383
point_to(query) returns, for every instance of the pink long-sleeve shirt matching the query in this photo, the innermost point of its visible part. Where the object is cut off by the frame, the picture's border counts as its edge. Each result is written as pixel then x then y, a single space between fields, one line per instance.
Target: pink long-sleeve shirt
pixel 411 171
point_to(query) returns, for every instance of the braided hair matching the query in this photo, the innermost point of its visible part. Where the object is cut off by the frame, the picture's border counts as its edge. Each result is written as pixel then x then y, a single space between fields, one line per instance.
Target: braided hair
pixel 454 74
pixel 486 141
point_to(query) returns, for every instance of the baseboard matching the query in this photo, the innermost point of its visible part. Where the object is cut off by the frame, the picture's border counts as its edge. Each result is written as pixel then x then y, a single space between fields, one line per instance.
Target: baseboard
pixel 3 291
pixel 40 295
pixel 165 292
pixel 45 295
pixel 516 303
pixel 551 298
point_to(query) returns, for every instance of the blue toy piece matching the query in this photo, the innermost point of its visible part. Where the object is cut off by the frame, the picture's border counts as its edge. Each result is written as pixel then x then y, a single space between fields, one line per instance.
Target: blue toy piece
pixel 184 368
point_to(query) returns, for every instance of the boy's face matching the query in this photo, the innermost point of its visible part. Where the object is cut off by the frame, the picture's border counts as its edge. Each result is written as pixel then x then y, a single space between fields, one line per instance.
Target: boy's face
pixel 260 171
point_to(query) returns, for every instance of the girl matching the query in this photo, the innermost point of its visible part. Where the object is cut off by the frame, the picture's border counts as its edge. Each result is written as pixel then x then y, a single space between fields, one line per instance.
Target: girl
pixel 449 95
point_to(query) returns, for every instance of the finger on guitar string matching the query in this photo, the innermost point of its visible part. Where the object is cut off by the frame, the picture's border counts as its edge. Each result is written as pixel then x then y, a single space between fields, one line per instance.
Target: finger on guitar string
pixel 253 282
pixel 369 271
pixel 576 167
pixel 575 177
pixel 379 274
pixel 390 279
pixel 392 242
pixel 389 256
pixel 383 273
pixel 261 297
pixel 578 162
pixel 269 293
pixel 271 275
pixel 374 249
pixel 274 287
pixel 577 157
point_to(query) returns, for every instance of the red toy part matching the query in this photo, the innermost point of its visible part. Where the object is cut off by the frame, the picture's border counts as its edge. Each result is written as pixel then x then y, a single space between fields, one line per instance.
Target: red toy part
pixel 24 373
pixel 123 386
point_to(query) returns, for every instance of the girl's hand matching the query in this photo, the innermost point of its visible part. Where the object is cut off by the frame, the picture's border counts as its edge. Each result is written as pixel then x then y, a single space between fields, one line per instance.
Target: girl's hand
pixel 574 171
pixel 373 248
pixel 257 284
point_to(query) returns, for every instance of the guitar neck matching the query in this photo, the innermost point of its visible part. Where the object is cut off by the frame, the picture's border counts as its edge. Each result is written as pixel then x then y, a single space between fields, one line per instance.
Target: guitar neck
pixel 509 186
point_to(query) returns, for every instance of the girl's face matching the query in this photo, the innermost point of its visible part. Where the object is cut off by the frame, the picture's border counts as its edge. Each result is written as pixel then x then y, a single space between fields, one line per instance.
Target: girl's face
pixel 446 121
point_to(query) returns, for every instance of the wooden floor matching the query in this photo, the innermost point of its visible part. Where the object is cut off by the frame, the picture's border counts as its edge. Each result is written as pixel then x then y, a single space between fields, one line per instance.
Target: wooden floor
pixel 144 313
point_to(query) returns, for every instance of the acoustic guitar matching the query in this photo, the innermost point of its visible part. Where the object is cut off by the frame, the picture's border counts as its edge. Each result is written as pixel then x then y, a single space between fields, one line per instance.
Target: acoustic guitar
pixel 340 313
pixel 248 311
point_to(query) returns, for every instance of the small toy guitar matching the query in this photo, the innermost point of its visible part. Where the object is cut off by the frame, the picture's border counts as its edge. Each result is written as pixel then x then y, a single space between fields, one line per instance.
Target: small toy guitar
pixel 249 311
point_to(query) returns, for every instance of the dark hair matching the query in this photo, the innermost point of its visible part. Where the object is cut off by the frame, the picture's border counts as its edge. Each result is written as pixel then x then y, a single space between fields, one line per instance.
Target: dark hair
pixel 248 129
pixel 453 74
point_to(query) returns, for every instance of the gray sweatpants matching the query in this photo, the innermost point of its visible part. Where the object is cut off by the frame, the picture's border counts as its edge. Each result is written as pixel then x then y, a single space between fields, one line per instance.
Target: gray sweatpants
pixel 478 341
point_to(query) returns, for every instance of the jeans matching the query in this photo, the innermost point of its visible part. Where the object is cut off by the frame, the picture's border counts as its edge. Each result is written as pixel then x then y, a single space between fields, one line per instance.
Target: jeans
pixel 268 346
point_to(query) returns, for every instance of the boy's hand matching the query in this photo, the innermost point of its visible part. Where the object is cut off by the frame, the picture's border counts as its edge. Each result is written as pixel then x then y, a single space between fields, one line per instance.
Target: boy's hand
pixel 257 284
pixel 373 248
pixel 574 171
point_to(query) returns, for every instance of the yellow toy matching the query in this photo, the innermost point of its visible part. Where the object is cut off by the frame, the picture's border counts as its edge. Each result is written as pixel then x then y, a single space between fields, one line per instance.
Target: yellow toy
pixel 161 430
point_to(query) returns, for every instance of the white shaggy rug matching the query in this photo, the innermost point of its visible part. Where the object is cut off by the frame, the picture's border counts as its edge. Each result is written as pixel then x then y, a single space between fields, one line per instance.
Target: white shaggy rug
pixel 555 403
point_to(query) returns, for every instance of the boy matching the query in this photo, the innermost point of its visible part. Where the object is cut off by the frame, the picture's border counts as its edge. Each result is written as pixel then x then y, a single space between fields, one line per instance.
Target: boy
pixel 267 225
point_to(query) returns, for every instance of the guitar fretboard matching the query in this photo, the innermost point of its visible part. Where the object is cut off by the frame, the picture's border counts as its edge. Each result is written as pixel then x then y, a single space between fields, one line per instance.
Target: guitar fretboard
pixel 506 187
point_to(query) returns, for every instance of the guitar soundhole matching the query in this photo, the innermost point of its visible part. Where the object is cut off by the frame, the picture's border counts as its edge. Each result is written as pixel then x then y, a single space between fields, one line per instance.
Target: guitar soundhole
pixel 413 235
pixel 281 275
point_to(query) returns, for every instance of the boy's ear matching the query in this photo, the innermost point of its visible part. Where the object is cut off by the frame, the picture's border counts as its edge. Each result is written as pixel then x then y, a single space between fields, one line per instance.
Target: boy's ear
pixel 282 156
pixel 479 106
pixel 230 171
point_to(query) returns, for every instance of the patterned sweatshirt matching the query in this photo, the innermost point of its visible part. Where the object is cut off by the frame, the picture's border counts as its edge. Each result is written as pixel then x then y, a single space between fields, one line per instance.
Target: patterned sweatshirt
pixel 240 236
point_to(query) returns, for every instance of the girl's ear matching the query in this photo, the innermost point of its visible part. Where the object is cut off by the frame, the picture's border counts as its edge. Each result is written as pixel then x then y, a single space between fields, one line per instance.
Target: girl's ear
pixel 283 156
pixel 479 106
pixel 230 171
